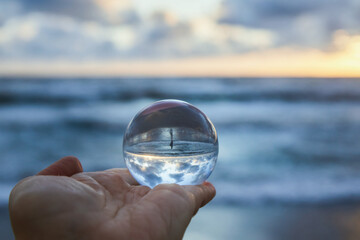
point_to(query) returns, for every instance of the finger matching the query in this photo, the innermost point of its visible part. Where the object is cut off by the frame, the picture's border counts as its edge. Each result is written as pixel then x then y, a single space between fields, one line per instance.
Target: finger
pixel 200 194
pixel 66 166
pixel 115 174
pixel 194 196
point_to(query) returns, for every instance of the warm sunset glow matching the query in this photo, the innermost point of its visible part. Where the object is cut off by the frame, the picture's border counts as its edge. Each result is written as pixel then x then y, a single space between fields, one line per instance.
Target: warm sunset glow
pixel 272 63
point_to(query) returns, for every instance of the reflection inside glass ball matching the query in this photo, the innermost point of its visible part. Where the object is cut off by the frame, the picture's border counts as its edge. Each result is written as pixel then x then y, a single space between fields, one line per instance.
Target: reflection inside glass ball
pixel 170 141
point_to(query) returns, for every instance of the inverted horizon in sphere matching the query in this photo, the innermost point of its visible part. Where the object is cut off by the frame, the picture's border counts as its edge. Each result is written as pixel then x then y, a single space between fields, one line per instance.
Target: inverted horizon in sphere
pixel 170 141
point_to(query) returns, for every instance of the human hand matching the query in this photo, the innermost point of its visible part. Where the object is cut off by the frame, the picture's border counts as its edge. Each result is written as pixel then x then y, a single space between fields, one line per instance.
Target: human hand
pixel 62 202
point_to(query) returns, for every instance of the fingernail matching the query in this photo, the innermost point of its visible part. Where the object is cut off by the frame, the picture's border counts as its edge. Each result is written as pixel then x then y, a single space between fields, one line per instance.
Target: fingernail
pixel 208 184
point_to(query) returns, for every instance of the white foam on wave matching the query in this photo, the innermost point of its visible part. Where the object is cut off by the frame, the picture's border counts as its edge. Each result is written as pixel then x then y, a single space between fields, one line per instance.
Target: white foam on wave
pixel 279 113
pixel 221 113
pixel 119 113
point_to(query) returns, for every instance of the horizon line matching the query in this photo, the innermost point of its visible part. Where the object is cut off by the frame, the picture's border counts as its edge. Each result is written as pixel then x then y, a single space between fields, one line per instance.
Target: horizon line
pixel 275 63
pixel 45 76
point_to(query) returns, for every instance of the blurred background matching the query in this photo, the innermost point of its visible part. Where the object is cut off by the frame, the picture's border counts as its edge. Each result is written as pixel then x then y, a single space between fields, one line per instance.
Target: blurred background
pixel 277 78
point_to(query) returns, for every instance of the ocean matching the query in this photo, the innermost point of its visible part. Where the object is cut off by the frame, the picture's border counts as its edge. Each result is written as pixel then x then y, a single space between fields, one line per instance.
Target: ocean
pixel 289 143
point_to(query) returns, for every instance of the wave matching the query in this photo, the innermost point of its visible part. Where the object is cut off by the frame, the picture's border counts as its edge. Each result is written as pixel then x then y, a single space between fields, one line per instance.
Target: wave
pixel 60 91
pixel 264 128
pixel 289 192
pixel 116 115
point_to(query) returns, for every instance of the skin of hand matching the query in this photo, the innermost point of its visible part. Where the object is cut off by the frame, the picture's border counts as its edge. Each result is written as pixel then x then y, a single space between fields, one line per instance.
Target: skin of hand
pixel 63 202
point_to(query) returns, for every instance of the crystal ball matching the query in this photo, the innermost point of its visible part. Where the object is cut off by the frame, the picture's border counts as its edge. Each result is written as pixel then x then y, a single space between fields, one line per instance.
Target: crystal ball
pixel 170 141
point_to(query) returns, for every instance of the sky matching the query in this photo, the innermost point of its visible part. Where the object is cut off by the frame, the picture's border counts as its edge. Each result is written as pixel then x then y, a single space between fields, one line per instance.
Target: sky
pixel 265 38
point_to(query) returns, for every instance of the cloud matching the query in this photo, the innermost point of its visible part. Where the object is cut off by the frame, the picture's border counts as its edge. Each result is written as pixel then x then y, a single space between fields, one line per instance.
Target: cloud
pixel 81 9
pixel 101 11
pixel 8 9
pixel 162 35
pixel 44 37
pixel 254 12
pixel 118 11
pixel 117 29
pixel 178 177
pixel 279 62
pixel 302 23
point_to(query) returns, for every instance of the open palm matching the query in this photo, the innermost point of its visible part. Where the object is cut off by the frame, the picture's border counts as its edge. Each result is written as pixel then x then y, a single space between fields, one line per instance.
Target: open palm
pixel 62 202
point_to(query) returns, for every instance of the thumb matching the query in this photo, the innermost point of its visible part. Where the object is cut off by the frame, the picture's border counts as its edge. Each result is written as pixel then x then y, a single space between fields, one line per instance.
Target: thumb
pixel 66 166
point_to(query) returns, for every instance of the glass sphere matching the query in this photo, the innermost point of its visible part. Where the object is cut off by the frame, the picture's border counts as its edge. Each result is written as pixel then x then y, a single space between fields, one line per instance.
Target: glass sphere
pixel 170 141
